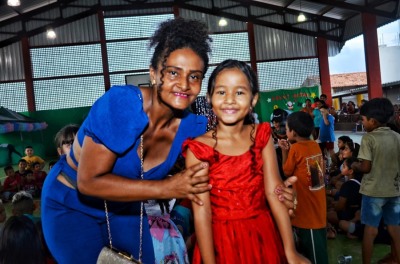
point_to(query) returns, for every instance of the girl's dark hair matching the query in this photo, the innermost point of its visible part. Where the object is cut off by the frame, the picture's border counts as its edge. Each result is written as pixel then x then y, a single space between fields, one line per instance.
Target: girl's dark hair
pixel 20 242
pixel 344 138
pixel 254 86
pixel 380 109
pixel 180 33
pixel 301 123
pixel 357 175
pixel 66 133
pixel 234 64
pixel 354 147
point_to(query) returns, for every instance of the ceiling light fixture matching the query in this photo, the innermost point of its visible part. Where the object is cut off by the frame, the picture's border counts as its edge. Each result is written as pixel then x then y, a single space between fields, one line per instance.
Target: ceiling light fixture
pixel 222 22
pixel 13 2
pixel 301 17
pixel 51 34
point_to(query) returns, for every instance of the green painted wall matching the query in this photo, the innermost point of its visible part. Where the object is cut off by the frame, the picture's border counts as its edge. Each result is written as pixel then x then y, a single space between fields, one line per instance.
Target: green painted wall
pixel 42 141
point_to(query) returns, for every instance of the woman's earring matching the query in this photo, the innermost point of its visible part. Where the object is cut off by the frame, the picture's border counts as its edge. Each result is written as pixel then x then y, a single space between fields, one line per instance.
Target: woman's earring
pixel 153 82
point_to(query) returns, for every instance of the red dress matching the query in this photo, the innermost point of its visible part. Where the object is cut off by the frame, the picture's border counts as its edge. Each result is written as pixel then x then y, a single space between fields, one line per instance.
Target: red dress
pixel 243 227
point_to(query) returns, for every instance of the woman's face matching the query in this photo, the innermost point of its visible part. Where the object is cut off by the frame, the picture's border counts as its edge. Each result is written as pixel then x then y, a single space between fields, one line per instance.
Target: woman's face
pixel 180 80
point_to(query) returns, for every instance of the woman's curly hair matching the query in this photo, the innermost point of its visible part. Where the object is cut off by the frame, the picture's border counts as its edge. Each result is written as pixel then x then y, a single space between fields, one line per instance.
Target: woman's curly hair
pixel 180 33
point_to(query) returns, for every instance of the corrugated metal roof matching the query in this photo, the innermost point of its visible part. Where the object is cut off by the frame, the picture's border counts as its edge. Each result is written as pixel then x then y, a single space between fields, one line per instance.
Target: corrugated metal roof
pixel 335 20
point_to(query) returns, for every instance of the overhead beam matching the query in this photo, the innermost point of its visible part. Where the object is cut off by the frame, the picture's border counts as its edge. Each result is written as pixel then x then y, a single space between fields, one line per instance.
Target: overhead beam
pixel 253 19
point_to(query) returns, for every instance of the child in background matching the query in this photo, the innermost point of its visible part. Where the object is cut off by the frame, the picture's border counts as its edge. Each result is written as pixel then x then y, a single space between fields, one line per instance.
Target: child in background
pixel 12 183
pixel 278 131
pixel 21 169
pixel 303 157
pixel 23 204
pixel 31 158
pixel 327 133
pixel 39 174
pixel 337 158
pixel 349 150
pixel 349 199
pixel 30 185
pixel 20 242
pixel 235 225
pixel 380 187
pixel 65 137
pixel 317 117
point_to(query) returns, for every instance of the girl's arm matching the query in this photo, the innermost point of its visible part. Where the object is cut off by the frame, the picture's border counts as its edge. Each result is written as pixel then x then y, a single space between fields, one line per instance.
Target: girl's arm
pixel 279 210
pixel 202 217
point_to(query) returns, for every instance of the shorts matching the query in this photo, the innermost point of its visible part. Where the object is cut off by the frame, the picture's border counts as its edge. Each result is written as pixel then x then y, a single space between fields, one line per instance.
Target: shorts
pixel 327 145
pixel 374 208
pixel 312 244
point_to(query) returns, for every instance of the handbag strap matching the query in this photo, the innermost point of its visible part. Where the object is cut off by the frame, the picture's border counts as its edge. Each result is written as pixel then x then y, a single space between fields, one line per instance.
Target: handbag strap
pixel 141 208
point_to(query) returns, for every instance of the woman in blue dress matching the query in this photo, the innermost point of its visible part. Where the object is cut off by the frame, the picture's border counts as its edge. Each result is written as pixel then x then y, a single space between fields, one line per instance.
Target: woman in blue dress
pixel 105 160
pixel 107 149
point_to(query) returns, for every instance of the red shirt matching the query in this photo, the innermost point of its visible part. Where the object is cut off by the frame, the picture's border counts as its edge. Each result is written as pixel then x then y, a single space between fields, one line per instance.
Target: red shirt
pixel 12 183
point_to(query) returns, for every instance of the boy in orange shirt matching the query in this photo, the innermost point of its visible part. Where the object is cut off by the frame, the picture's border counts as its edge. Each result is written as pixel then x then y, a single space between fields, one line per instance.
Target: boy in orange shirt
pixel 302 157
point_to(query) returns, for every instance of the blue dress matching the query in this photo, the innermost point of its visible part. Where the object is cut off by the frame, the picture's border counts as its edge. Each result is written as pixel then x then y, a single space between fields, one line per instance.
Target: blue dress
pixel 74 224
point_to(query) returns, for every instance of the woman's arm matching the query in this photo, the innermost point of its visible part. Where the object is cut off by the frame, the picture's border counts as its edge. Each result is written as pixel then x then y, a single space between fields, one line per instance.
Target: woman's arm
pixel 95 179
pixel 279 210
pixel 202 217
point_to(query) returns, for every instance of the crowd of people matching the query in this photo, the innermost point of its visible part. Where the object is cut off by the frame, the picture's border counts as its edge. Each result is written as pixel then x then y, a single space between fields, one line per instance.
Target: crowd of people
pixel 149 177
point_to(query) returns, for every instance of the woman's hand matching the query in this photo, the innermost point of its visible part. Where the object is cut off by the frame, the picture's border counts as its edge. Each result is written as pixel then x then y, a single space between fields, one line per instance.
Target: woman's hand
pixel 287 194
pixel 185 184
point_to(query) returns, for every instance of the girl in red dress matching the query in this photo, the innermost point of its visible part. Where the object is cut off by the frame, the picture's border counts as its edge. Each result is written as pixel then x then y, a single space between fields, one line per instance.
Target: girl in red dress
pixel 235 224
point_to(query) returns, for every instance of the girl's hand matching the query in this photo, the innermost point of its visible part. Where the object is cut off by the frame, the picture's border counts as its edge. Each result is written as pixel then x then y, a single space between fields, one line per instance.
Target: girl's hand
pixel 287 195
pixel 297 258
pixel 184 185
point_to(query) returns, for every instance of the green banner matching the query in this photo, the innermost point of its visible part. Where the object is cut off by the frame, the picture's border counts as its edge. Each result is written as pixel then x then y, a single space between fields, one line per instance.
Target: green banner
pixel 288 99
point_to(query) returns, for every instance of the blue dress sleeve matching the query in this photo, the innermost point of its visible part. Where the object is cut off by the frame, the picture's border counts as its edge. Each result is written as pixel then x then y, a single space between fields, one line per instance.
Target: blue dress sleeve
pixel 117 118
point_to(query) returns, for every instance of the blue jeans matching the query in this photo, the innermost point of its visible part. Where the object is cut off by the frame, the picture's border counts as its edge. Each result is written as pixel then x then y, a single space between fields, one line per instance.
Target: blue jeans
pixel 374 208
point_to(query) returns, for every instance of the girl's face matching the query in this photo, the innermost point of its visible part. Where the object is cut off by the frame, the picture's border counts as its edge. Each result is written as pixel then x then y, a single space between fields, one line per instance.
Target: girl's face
pixel 346 152
pixel 346 170
pixel 181 78
pixel 232 97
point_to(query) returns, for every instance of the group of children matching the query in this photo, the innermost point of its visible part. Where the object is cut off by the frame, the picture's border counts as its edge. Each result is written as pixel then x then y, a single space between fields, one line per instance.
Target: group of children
pixel 21 236
pixel 29 176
